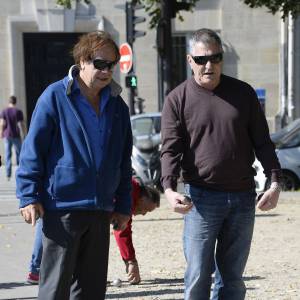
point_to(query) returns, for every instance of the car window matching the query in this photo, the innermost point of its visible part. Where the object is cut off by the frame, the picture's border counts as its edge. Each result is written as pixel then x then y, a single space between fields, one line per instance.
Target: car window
pixel 142 126
pixel 292 141
pixel 157 124
pixel 280 135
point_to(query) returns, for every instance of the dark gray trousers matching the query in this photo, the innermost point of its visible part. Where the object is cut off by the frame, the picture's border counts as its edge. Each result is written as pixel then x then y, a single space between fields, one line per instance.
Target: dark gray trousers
pixel 75 255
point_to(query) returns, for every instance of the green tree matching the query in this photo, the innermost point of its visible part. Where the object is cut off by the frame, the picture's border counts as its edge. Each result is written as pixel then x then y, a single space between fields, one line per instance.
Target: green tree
pixel 274 6
pixel 68 3
pixel 152 7
pixel 283 6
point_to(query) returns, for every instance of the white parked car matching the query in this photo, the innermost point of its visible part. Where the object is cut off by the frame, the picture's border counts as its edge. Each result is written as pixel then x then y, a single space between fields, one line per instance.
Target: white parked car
pixel 145 156
pixel 287 142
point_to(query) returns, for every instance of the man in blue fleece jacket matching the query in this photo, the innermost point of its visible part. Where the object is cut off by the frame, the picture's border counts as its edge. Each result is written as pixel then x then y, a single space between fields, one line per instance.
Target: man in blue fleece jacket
pixel 75 172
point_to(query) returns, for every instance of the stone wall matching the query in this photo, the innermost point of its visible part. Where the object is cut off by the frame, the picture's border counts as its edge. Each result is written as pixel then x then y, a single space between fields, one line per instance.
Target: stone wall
pixel 251 41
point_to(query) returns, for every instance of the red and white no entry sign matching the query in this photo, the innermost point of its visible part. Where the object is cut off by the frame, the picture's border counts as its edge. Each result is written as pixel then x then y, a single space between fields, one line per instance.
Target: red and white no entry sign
pixel 126 58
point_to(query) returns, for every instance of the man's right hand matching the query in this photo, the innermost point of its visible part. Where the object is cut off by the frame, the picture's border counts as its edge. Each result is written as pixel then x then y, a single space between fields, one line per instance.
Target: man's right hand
pixel 32 212
pixel 178 202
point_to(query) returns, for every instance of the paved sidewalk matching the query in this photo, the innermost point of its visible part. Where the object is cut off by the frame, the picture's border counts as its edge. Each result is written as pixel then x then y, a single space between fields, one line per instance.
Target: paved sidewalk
pixel 16 240
pixel 273 271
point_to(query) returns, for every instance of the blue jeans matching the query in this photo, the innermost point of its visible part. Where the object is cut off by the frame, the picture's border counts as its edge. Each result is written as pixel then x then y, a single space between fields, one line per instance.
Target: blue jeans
pixel 36 257
pixel 8 144
pixel 217 232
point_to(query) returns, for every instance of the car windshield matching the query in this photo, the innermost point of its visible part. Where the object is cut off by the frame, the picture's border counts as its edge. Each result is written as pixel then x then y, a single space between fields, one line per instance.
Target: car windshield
pixel 292 140
pixel 145 126
pixel 142 126
pixel 285 134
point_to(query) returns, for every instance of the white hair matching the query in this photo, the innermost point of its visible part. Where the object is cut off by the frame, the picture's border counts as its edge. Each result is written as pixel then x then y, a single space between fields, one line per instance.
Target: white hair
pixel 206 37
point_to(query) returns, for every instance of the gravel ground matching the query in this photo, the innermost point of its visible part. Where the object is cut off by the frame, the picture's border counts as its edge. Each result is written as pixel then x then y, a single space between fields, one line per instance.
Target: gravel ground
pixel 272 272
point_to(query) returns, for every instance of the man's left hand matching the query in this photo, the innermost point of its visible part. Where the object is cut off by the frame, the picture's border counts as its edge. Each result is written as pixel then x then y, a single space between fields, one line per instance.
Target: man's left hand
pixel 119 221
pixel 269 200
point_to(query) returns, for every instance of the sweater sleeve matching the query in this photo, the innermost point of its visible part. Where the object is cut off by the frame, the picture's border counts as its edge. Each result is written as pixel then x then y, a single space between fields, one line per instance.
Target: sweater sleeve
pixel 34 154
pixel 124 242
pixel 262 143
pixel 172 144
pixel 122 196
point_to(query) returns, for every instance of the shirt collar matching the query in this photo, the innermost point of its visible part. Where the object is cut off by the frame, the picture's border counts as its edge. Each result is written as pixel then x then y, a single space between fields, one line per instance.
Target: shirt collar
pixel 104 94
pixel 74 71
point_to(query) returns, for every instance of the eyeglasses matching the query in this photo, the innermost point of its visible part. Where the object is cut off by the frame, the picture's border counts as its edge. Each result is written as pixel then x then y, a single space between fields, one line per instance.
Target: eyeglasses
pixel 101 64
pixel 214 59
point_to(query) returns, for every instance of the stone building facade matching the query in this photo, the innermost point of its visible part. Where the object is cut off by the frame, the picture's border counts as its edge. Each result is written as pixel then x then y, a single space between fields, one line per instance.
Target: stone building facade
pixel 34 34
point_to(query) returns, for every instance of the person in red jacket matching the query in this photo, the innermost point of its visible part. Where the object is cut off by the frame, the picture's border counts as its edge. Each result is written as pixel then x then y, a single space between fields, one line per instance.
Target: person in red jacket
pixel 144 199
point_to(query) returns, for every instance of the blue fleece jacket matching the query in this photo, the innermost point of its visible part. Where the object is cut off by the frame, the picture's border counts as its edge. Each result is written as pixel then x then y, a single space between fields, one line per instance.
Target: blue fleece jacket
pixel 57 167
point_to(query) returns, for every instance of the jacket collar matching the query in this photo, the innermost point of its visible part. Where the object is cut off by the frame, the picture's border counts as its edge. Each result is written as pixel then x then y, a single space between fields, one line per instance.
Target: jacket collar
pixel 115 88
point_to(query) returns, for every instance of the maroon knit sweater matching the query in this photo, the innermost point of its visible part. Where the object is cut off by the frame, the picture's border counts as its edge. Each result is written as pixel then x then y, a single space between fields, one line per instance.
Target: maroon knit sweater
pixel 213 136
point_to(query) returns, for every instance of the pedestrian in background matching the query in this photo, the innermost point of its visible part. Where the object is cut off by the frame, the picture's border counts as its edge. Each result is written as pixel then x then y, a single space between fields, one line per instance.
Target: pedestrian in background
pixel 212 128
pixel 75 172
pixel 12 130
pixel 144 199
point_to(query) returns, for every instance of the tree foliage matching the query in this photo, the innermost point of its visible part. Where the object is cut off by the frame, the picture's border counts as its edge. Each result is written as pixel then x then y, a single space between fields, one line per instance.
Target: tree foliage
pixel 68 3
pixel 153 7
pixel 283 6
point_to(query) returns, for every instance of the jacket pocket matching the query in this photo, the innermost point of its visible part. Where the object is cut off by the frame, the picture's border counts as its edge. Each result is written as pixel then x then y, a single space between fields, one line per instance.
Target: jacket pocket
pixel 72 183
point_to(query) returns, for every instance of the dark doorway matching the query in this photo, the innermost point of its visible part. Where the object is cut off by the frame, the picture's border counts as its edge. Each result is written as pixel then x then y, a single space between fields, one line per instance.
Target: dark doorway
pixel 179 63
pixel 47 59
pixel 178 67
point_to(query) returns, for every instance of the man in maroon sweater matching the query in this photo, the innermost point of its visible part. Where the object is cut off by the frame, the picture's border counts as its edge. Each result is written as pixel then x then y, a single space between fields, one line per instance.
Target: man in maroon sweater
pixel 144 199
pixel 212 128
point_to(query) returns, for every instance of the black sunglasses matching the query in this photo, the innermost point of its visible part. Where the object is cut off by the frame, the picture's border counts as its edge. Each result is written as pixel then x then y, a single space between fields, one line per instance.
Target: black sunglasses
pixel 101 64
pixel 214 59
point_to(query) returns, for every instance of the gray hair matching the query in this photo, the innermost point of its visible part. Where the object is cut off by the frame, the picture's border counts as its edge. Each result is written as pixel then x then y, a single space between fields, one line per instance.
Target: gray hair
pixel 205 36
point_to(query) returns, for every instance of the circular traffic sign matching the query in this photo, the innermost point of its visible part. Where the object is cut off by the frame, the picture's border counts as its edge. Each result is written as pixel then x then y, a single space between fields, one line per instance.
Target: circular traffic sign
pixel 126 58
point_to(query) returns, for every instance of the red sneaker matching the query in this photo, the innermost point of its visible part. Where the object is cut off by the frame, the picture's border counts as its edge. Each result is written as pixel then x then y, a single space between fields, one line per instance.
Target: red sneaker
pixel 33 278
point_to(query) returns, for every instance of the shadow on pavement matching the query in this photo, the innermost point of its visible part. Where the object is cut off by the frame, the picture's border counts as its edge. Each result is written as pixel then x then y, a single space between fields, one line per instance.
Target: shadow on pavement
pixel 174 281
pixel 248 278
pixel 157 283
pixel 153 220
pixel 11 285
pixel 266 215
pixel 25 298
pixel 139 294
pixel 10 214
